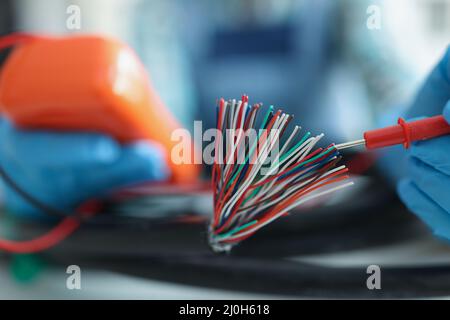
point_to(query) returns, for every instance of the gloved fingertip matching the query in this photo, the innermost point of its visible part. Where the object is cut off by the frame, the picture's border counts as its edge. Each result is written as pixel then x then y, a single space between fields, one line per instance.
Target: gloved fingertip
pixel 5 129
pixel 424 207
pixel 446 112
pixel 81 149
pixel 104 148
pixel 433 152
pixel 404 189
pixel 150 159
pixel 408 193
pixel 444 65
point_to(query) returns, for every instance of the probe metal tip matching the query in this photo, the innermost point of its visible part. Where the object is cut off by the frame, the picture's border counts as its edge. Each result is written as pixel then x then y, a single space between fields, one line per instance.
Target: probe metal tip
pixel 350 144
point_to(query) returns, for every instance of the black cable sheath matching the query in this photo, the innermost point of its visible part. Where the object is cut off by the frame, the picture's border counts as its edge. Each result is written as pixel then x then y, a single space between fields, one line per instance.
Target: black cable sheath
pixel 49 210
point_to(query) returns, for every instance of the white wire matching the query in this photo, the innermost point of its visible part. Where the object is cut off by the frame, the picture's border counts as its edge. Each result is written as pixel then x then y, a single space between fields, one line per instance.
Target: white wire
pixel 307 145
pixel 278 215
pixel 254 170
pixel 288 192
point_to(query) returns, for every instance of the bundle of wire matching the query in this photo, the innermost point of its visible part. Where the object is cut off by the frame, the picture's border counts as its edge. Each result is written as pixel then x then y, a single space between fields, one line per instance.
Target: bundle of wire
pixel 246 197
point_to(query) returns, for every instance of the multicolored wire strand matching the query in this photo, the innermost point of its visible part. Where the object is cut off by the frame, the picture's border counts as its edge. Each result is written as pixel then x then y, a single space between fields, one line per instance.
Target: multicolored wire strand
pixel 246 198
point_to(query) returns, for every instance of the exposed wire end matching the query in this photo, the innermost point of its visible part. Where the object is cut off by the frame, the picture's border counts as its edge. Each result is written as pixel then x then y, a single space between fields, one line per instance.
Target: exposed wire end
pixel 256 181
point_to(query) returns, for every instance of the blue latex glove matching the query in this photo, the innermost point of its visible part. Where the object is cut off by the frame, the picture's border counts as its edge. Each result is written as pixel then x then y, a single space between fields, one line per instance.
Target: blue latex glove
pixel 64 169
pixel 426 189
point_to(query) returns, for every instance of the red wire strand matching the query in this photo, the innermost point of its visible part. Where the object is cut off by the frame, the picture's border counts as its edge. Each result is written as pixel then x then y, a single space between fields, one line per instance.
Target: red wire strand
pixel 282 206
pixel 53 237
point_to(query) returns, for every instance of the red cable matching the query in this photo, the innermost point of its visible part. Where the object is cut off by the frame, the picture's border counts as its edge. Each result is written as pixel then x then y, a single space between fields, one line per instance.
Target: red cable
pixel 59 233
pixel 44 242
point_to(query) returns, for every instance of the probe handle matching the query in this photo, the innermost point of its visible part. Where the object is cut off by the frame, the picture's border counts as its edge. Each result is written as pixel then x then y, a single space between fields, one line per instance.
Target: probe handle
pixel 406 132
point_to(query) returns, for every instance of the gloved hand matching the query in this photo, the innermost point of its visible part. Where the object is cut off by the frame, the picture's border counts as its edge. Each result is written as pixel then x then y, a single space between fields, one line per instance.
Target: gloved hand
pixel 426 189
pixel 64 169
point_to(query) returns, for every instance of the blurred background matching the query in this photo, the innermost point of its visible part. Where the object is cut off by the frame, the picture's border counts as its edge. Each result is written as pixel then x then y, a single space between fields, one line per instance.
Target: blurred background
pixel 316 59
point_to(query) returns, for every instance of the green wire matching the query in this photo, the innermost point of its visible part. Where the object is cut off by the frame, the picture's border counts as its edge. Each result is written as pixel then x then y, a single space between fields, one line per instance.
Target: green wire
pixel 281 159
pixel 298 166
pixel 318 156
pixel 306 136
pixel 238 229
pixel 312 159
pixel 251 196
pixel 264 123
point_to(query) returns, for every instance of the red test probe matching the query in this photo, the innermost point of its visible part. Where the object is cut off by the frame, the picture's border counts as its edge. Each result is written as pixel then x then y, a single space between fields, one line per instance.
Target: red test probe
pixel 402 133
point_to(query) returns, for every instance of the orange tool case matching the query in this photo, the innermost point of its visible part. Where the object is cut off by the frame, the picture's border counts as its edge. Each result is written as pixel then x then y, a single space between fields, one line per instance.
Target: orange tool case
pixel 89 83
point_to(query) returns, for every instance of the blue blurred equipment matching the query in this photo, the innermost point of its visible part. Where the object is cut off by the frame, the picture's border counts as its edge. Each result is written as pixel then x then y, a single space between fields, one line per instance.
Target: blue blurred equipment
pixel 64 169
pixel 426 189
